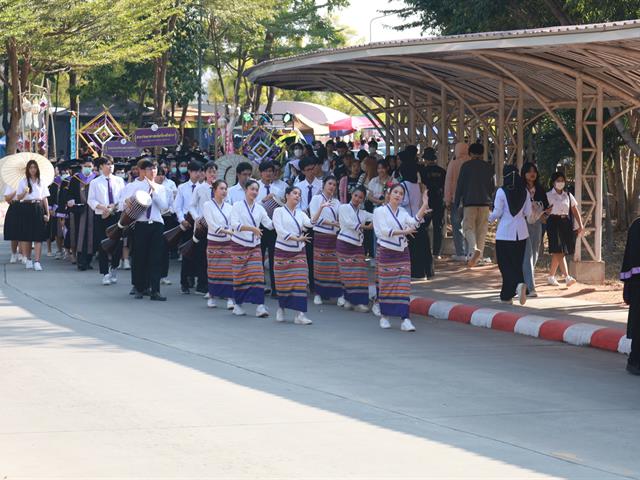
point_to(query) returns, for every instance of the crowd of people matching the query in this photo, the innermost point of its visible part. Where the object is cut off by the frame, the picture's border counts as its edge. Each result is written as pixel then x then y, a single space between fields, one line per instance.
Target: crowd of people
pixel 315 225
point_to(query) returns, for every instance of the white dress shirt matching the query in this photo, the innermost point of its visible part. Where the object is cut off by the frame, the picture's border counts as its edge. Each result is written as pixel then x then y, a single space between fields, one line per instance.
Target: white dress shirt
pixel 561 202
pixel 99 191
pixel 158 200
pixel 328 214
pixel 376 187
pixel 183 199
pixel 172 191
pixel 201 195
pixel 315 187
pixel 218 218
pixel 248 216
pixel 235 194
pixel 351 218
pixel 272 188
pixel 288 224
pixel 38 191
pixel 385 222
pixel 510 227
pixel 281 185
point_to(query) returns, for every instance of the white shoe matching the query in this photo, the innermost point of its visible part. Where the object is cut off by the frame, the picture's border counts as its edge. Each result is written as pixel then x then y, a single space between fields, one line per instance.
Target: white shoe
pixel 521 293
pixel 121 266
pixel 317 300
pixel 341 302
pixel 106 279
pixel 211 303
pixel 28 264
pixel 165 281
pixel 230 304
pixel 361 309
pixel 280 315
pixel 551 280
pixel 14 258
pixel 37 267
pixel 237 310
pixel 533 294
pixel 407 326
pixel 23 259
pixel 126 264
pixel 384 323
pixel 570 280
pixel 113 275
pixel 207 295
pixel 347 305
pixel 261 311
pixel 375 309
pixel 301 319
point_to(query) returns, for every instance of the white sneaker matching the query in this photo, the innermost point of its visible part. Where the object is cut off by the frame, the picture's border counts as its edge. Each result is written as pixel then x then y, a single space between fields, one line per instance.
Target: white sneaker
pixel 341 301
pixel 121 266
pixel 14 258
pixel 317 300
pixel 126 264
pixel 230 304
pixel 207 295
pixel 28 264
pixel 551 280
pixel 407 326
pixel 106 279
pixel 361 309
pixel 237 310
pixel 113 275
pixel 211 303
pixel 384 323
pixel 533 294
pixel 23 259
pixel 261 311
pixel 301 319
pixel 375 309
pixel 570 280
pixel 347 305
pixel 165 281
pixel 521 293
pixel 37 267
pixel 280 315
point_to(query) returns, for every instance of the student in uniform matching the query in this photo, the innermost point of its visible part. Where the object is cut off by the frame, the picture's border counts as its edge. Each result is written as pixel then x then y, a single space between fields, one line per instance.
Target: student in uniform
pixel 243 174
pixel 168 217
pixel 182 206
pixel 349 248
pixel 248 271
pixel 52 226
pixel 309 187
pixel 103 199
pixel 392 225
pixel 12 223
pixel 630 276
pixel 270 197
pixel 147 235
pixel 433 178
pixel 82 215
pixel 34 214
pixel 325 207
pixel 217 212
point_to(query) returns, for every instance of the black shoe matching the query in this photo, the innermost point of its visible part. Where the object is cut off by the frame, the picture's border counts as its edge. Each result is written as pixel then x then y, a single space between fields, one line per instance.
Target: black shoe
pixel 157 297
pixel 202 290
pixel 133 291
pixel 138 295
pixel 633 369
pixel 185 290
pixel 267 291
pixel 191 282
pixel 146 292
pixel 82 268
pixel 89 267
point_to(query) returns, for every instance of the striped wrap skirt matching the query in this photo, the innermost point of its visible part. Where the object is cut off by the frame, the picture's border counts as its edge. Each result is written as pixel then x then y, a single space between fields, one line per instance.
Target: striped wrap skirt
pixel 220 269
pixel 248 274
pixel 292 278
pixel 325 266
pixel 353 272
pixel 394 282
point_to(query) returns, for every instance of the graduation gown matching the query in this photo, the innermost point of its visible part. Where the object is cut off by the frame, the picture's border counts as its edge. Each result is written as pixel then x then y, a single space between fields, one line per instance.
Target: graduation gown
pixel 630 275
pixel 82 215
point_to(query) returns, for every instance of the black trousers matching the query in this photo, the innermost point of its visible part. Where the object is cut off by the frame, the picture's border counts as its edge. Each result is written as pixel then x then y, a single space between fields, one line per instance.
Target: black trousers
pixel 436 219
pixel 420 252
pixel 268 245
pixel 99 227
pixel 170 221
pixel 309 252
pixel 510 254
pixel 632 297
pixel 196 266
pixel 147 239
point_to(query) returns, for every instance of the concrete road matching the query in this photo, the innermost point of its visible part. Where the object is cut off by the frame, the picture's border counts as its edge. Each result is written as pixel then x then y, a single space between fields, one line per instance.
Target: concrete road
pixel 96 384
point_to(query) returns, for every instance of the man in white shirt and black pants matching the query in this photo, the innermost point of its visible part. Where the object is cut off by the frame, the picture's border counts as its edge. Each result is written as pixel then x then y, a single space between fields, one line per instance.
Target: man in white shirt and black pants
pixel 147 235
pixel 309 186
pixel 270 197
pixel 103 198
pixel 181 205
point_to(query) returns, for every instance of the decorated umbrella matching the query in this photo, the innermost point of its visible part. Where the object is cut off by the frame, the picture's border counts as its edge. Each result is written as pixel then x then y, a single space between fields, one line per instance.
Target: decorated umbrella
pixel 12 168
pixel 349 125
pixel 227 167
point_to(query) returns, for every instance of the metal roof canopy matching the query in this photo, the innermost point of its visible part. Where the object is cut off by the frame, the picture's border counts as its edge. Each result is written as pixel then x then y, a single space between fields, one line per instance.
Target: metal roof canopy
pixel 491 86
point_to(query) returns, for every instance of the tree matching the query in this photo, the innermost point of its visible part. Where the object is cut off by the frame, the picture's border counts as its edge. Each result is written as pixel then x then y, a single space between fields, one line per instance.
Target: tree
pixel 58 35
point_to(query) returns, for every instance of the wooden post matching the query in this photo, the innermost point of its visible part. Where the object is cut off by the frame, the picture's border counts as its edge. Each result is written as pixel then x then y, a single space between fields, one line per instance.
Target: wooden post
pixel 500 133
pixel 599 177
pixel 460 124
pixel 579 155
pixel 430 120
pixel 411 107
pixel 443 129
pixel 387 130
pixel 520 130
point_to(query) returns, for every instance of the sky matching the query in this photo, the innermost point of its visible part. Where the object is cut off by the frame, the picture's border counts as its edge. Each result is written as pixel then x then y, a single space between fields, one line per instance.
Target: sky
pixel 359 14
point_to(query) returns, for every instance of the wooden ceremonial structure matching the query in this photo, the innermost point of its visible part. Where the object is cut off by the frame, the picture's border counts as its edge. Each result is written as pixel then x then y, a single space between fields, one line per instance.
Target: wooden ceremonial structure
pixel 492 86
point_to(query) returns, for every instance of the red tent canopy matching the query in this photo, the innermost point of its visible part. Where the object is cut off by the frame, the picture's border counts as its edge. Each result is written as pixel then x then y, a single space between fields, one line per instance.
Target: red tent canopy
pixel 351 124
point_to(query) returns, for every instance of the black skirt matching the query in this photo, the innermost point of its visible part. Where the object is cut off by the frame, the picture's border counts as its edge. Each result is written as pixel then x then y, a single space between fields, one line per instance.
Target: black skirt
pixel 33 228
pixel 12 221
pixel 560 235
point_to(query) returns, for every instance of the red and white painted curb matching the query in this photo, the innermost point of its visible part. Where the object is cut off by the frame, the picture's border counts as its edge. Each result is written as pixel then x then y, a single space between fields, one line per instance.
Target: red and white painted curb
pixel 574 333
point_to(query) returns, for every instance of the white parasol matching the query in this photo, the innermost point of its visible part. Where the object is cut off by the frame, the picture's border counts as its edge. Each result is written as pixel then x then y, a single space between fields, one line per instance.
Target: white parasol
pixel 227 167
pixel 12 168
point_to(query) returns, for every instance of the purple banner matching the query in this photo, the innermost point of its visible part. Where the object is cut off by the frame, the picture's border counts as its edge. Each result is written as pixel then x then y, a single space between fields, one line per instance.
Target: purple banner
pixel 156 137
pixel 122 148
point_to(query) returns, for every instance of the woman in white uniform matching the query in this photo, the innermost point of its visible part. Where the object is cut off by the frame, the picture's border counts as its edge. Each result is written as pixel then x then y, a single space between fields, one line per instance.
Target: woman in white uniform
pixel 35 214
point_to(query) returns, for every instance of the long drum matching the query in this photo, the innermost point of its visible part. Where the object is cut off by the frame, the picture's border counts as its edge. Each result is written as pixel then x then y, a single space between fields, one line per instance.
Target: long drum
pixel 188 248
pixel 172 236
pixel 135 207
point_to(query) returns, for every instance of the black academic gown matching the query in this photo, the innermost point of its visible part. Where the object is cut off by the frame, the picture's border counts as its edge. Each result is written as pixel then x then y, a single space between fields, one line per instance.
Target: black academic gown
pixel 630 275
pixel 82 228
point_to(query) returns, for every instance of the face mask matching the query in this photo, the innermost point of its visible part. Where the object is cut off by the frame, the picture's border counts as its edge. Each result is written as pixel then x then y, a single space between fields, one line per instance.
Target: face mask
pixel 121 174
pixel 64 176
pixel 183 169
pixel 559 185
pixel 297 153
pixel 86 171
pixel 174 169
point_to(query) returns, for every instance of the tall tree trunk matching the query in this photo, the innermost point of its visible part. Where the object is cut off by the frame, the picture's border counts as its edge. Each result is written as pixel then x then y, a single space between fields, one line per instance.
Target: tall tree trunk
pixel 73 91
pixel 621 198
pixel 13 132
pixel 183 120
pixel 270 98
pixel 160 78
pixel 5 97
